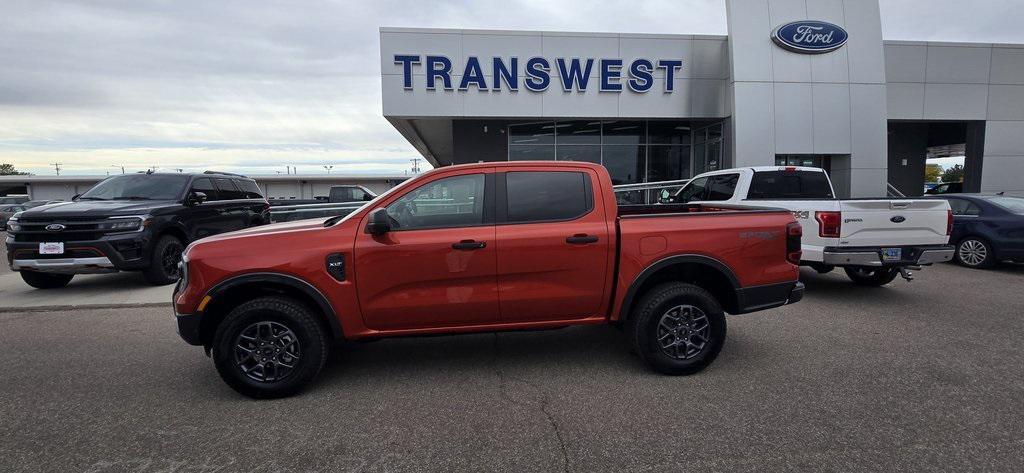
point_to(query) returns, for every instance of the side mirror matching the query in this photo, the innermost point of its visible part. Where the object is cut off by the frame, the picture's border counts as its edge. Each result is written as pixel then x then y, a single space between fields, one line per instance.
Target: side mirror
pixel 367 197
pixel 195 198
pixel 380 222
pixel 76 196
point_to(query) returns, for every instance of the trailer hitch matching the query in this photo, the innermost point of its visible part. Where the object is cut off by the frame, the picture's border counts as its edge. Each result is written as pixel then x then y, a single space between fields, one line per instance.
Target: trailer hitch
pixel 905 272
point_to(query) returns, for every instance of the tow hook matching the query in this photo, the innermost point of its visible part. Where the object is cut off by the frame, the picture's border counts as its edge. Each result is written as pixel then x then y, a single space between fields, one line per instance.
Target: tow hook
pixel 905 272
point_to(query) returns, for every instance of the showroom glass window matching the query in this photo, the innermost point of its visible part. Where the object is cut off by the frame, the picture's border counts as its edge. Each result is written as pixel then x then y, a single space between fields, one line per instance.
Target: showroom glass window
pixel 633 151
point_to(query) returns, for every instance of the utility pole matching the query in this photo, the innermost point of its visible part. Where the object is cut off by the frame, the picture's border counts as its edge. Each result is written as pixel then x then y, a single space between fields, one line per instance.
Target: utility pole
pixel 415 165
pixel 57 167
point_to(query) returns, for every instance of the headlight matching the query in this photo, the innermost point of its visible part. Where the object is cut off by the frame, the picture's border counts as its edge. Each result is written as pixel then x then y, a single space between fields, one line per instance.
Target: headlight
pixel 12 223
pixel 122 224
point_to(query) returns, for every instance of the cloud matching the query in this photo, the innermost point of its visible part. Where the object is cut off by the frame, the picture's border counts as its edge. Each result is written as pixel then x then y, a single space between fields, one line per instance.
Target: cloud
pixel 257 83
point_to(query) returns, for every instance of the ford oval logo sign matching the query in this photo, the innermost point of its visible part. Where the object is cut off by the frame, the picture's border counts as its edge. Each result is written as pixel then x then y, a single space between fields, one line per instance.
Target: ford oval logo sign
pixel 898 219
pixel 810 37
pixel 55 227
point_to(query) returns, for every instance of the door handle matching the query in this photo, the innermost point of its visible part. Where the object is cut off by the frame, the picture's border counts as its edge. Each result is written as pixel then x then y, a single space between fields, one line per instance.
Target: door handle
pixel 469 245
pixel 581 239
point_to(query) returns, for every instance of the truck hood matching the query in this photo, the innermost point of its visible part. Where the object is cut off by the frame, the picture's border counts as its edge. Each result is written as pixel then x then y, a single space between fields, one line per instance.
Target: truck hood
pixel 96 208
pixel 263 230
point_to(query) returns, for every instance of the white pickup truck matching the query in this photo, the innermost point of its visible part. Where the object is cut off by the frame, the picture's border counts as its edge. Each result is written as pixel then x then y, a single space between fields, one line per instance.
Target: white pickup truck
pixel 873 240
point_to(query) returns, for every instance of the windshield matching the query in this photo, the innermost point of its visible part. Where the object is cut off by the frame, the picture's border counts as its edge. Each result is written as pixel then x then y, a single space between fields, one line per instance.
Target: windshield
pixel 1012 204
pixel 138 186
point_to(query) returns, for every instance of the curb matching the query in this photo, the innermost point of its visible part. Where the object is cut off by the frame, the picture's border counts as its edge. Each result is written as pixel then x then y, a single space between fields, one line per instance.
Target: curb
pixel 55 308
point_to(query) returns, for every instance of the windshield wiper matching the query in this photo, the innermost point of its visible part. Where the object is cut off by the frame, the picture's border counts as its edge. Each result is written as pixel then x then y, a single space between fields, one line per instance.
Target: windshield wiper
pixel 92 198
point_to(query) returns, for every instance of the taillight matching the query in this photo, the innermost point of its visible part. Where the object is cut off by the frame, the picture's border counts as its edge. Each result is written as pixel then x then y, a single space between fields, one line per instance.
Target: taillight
pixel 793 233
pixel 949 222
pixel 829 224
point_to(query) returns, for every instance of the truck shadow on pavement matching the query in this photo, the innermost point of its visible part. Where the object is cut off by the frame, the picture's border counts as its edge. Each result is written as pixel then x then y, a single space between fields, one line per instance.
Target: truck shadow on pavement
pixel 836 287
pixel 118 281
pixel 540 356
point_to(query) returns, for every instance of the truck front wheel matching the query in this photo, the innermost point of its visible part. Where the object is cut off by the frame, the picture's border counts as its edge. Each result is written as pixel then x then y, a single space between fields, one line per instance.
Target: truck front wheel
pixel 269 347
pixel 677 328
pixel 163 264
pixel 871 276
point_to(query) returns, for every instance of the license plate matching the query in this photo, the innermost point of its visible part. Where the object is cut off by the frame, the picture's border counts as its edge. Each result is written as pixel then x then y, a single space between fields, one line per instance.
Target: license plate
pixel 51 248
pixel 892 254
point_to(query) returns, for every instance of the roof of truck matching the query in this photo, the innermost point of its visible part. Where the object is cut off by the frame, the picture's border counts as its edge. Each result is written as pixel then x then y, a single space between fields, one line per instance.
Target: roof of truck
pixel 514 164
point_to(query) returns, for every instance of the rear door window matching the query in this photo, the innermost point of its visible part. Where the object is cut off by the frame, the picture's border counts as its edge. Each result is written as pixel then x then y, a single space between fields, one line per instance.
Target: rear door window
pixel 227 190
pixel 721 187
pixel 963 207
pixel 544 196
pixel 249 189
pixel 205 186
pixel 771 185
pixel 695 190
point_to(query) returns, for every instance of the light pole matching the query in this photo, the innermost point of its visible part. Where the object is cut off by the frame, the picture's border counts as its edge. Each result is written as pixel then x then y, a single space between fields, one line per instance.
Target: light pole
pixel 328 168
pixel 118 166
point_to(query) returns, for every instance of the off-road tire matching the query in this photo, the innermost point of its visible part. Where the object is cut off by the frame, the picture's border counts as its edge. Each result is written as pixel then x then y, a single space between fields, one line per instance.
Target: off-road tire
pixel 45 280
pixel 157 273
pixel 642 328
pixel 311 339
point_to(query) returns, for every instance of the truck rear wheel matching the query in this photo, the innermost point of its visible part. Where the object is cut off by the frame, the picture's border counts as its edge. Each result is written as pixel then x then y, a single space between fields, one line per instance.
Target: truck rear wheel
pixel 45 280
pixel 269 347
pixel 677 328
pixel 866 276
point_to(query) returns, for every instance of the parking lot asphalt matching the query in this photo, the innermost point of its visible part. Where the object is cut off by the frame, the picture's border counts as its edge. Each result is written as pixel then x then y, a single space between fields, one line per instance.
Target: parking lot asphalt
pixel 912 376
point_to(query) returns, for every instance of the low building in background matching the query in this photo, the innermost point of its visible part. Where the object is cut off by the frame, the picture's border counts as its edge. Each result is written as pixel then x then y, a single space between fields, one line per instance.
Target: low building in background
pixel 277 186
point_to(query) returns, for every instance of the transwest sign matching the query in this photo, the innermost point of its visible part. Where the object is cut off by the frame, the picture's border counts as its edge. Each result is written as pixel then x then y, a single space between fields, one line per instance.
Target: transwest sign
pixel 810 37
pixel 537 73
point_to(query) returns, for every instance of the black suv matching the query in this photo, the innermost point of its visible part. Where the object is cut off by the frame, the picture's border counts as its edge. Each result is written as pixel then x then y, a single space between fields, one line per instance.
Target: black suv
pixel 132 222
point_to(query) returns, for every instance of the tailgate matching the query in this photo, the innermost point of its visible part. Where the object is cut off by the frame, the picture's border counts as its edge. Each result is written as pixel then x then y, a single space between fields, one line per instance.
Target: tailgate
pixel 899 222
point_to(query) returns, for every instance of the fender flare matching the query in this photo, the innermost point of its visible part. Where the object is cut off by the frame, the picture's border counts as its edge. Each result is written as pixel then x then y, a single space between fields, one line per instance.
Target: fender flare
pixel 286 280
pixel 628 300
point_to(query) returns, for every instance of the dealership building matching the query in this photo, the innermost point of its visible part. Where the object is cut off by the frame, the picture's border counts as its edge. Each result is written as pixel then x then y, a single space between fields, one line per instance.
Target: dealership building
pixel 809 82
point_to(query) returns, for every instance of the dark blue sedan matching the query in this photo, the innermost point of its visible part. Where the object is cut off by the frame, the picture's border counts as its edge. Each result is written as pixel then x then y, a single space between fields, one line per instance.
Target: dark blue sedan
pixel 987 229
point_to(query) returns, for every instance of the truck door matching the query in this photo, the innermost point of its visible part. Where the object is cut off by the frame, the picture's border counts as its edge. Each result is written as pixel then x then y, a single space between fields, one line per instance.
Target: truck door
pixel 232 205
pixel 436 267
pixel 553 245
pixel 204 219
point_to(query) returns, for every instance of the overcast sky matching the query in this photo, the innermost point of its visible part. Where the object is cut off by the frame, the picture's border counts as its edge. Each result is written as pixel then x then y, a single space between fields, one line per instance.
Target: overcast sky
pixel 251 86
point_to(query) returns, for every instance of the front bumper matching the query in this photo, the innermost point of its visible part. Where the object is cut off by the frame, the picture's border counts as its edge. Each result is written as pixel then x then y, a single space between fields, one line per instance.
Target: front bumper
pixel 872 256
pixel 110 253
pixel 188 327
pixel 97 265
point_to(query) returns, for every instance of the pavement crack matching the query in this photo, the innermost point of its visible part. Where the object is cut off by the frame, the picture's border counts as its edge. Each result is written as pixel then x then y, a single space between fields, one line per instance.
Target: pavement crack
pixel 503 389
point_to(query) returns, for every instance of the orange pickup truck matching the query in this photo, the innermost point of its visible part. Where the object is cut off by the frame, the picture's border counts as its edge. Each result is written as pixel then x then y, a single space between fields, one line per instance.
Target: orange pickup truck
pixel 483 247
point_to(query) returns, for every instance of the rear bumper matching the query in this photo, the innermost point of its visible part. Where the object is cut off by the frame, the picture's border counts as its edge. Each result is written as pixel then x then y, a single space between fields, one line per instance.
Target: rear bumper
pixel 752 299
pixel 872 256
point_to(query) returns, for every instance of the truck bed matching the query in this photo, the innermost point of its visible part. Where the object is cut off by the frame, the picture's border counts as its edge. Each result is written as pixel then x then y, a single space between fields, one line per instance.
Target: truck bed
pixel 747 239
pixel 648 210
